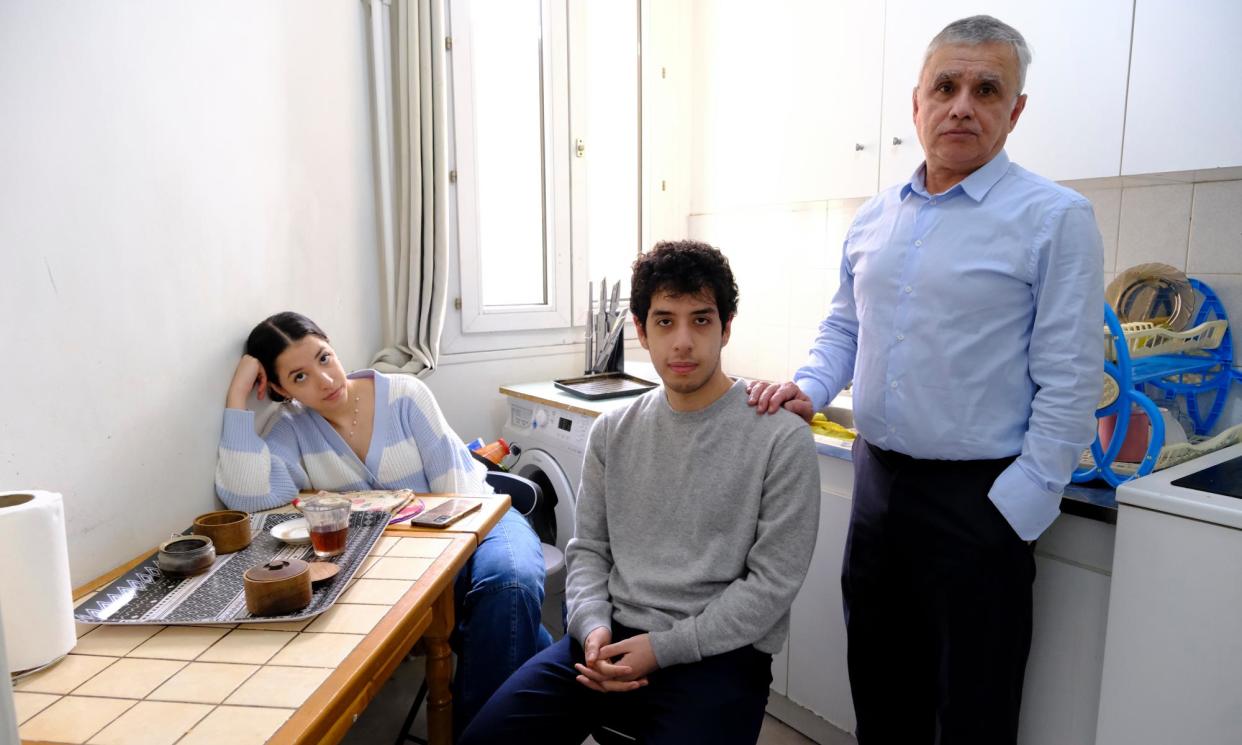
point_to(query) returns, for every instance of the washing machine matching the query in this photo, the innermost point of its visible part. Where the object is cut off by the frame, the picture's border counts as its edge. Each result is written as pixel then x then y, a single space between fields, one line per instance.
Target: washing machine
pixel 549 429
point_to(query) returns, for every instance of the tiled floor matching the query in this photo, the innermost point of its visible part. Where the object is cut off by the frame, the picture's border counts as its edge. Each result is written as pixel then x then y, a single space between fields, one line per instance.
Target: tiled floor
pixel 380 723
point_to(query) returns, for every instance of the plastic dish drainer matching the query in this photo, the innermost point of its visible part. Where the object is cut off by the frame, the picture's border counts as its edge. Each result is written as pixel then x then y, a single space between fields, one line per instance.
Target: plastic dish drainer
pixel 1193 365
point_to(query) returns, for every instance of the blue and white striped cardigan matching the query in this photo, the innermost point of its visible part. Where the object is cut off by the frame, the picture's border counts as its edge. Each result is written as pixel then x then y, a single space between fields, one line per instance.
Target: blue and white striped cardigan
pixel 412 447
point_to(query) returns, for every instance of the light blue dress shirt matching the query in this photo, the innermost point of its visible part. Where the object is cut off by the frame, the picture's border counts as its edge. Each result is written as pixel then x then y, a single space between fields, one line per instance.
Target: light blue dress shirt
pixel 971 323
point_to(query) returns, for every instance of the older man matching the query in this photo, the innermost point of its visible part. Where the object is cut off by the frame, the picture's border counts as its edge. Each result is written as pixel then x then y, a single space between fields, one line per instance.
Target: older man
pixel 969 317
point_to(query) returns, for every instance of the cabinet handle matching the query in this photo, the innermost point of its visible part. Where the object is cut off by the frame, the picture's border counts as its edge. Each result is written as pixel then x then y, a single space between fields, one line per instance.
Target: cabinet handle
pixel 896 140
pixel 858 146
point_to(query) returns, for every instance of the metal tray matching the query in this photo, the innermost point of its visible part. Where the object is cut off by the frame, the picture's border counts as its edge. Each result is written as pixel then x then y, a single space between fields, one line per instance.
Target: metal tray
pixel 604 385
pixel 145 595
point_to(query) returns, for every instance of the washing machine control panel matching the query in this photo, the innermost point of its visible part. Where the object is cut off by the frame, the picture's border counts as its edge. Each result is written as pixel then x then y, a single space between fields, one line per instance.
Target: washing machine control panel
pixel 565 426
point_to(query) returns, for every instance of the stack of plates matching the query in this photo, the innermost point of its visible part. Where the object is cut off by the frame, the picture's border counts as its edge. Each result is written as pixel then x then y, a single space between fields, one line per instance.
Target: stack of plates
pixel 1155 293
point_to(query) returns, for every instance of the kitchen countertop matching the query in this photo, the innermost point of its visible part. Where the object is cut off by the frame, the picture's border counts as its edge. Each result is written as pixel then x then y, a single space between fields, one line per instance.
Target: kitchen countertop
pixel 1095 500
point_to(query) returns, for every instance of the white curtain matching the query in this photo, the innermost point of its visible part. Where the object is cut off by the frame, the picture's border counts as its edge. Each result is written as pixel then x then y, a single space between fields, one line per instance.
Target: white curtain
pixel 415 269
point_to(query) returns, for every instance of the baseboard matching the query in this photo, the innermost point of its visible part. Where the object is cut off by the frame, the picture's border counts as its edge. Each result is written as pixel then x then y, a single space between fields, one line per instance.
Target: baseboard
pixel 820 730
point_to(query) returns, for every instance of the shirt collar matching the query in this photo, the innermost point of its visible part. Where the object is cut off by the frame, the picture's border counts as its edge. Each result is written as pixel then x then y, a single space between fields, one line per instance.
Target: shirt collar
pixel 976 185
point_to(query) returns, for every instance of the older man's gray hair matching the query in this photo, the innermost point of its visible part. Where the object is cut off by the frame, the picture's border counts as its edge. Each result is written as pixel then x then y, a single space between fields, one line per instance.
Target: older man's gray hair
pixel 983 30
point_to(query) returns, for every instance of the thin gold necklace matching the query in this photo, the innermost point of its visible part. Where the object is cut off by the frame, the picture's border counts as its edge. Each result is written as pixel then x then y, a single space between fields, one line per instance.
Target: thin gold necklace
pixel 354 424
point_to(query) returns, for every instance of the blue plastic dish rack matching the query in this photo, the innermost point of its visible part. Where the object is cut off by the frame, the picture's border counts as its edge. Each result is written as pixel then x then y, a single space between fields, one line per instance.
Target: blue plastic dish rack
pixel 1193 378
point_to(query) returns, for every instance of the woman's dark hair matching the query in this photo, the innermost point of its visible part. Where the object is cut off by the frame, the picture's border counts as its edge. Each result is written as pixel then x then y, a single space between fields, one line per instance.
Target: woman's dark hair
pixel 273 336
pixel 680 268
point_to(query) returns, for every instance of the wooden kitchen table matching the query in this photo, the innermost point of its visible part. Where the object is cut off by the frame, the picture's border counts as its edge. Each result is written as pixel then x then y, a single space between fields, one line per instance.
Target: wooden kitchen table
pixel 281 683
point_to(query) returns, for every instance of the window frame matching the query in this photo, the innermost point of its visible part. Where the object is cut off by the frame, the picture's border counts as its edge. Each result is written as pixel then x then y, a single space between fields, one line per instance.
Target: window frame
pixel 556 311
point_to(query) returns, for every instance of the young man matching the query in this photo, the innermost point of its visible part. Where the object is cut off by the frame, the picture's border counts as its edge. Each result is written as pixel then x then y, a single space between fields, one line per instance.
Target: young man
pixel 696 521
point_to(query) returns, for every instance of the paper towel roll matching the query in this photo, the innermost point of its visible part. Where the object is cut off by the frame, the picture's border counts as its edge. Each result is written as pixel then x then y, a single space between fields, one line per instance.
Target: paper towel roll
pixel 34 585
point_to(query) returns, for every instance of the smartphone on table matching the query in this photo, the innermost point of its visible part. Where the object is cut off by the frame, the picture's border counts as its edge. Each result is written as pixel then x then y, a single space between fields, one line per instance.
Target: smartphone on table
pixel 446 514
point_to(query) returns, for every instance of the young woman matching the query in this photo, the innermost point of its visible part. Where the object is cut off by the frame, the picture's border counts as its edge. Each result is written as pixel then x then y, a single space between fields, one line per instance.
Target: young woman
pixel 368 430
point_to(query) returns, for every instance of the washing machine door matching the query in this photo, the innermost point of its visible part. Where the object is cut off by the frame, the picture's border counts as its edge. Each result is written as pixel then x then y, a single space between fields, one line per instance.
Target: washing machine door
pixel 539 466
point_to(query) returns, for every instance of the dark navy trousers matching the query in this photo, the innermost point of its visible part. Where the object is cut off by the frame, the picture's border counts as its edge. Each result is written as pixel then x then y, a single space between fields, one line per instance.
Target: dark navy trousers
pixel 719 699
pixel 937 592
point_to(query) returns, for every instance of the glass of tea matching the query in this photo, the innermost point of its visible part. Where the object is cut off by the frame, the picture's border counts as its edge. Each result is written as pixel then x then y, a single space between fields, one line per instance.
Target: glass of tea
pixel 328 518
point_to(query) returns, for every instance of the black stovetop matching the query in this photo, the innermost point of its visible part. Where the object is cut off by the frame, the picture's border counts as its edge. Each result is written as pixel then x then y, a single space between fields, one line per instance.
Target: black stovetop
pixel 1223 478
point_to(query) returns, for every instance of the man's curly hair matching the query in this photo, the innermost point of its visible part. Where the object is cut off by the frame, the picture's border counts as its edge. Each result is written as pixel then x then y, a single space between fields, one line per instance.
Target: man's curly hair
pixel 683 268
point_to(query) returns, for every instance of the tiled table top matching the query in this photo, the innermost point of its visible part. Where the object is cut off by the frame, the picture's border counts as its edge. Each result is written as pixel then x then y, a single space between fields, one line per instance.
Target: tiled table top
pixel 236 684
pixel 479 522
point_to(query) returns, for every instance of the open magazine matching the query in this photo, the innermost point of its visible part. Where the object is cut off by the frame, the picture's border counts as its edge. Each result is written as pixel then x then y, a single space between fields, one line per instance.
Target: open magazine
pixel 401 504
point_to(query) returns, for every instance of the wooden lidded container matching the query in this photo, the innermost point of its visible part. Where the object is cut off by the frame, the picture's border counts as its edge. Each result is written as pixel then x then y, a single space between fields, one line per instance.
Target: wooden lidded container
pixel 277 587
pixel 229 530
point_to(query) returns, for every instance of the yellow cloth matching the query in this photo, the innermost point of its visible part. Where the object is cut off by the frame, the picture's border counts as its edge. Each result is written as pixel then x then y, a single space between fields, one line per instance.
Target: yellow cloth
pixel 821 426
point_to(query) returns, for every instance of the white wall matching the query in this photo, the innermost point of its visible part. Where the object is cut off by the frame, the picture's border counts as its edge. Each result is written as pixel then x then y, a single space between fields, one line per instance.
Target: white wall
pixel 172 173
pixel 468 388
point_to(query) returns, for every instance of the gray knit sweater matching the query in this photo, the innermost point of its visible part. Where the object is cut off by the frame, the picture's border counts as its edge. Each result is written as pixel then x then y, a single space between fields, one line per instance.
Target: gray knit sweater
pixel 695 526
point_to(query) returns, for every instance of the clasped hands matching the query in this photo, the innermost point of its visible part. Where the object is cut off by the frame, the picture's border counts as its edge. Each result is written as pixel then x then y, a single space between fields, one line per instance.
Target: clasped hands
pixel 614 668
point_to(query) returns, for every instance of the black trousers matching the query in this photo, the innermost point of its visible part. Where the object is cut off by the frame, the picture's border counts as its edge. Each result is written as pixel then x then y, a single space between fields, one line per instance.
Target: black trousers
pixel 718 700
pixel 937 591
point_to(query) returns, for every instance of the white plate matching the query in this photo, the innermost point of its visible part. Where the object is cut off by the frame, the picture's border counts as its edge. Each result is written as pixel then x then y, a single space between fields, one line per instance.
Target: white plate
pixel 294 531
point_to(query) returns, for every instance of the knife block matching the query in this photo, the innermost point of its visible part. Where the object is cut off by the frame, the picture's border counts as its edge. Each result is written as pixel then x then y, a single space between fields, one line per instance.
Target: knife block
pixel 616 360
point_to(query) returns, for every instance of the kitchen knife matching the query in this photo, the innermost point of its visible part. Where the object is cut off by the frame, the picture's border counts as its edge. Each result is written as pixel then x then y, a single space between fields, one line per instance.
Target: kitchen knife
pixel 616 297
pixel 605 350
pixel 590 327
pixel 601 317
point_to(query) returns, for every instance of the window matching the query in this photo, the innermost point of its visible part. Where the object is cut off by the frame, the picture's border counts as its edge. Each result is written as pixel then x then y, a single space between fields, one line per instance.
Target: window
pixel 546 143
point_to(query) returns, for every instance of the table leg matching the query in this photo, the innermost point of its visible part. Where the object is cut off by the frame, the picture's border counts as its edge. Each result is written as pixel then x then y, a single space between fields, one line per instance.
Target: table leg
pixel 439 670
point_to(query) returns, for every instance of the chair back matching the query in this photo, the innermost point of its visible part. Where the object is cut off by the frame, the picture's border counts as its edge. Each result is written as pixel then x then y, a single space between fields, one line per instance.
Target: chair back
pixel 524 493
pixel 528 497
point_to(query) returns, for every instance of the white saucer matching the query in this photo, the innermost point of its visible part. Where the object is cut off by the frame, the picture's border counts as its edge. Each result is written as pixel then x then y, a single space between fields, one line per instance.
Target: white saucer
pixel 294 531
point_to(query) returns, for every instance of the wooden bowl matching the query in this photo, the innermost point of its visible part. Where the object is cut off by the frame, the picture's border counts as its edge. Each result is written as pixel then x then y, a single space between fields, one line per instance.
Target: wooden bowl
pixel 280 586
pixel 229 530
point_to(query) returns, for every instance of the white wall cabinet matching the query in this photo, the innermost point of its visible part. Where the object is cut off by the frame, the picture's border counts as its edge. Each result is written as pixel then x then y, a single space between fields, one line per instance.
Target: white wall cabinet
pixel 1183 110
pixel 802 100
pixel 1076 84
pixel 1061 696
pixel 786 102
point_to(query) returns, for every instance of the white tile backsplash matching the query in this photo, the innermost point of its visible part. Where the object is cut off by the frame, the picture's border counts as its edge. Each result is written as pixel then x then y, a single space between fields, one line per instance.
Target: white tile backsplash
pixel 811 293
pixel 1106 204
pixel 1155 225
pixel 1216 229
pixel 1228 287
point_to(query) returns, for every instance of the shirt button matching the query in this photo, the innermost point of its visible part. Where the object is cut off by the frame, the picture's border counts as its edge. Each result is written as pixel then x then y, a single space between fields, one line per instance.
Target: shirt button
pixel 918 243
pixel 909 289
pixel 893 384
pixel 901 337
pixel 931 201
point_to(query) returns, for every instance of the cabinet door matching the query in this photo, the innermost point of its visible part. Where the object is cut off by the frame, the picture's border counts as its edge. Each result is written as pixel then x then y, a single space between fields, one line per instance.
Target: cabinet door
pixel 1076 83
pixel 818 677
pixel 783 94
pixel 1061 697
pixel 1183 108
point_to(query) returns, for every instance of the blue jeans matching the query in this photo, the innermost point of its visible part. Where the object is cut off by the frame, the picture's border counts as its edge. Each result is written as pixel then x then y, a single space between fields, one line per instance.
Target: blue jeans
pixel 498 595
